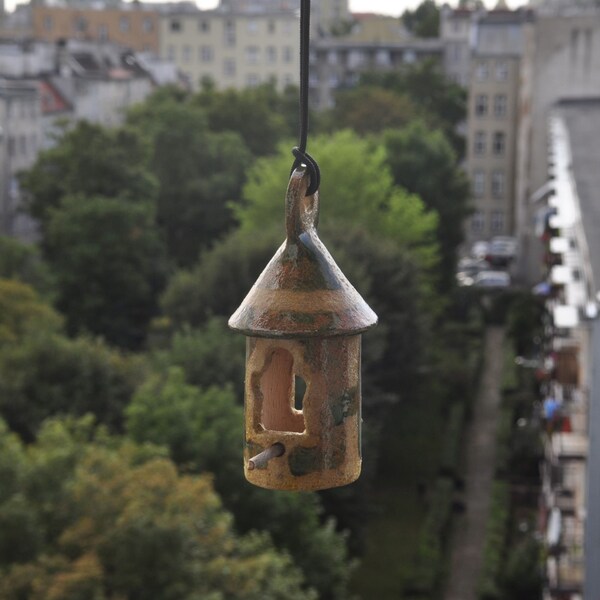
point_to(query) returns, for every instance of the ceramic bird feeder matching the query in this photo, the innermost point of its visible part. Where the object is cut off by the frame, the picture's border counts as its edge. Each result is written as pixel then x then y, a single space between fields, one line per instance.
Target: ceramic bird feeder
pixel 304 322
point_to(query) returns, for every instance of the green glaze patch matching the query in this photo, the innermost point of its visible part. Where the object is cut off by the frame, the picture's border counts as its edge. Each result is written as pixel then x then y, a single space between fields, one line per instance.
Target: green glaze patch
pixel 344 406
pixel 303 461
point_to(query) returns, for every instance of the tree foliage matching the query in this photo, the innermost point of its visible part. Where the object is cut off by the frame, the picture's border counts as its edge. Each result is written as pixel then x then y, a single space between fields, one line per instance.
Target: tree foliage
pixel 201 429
pixel 423 162
pixel 442 103
pixel 47 374
pixel 260 115
pixel 23 312
pixel 23 262
pixel 424 21
pixel 367 109
pixel 106 519
pixel 109 265
pixel 89 160
pixel 199 172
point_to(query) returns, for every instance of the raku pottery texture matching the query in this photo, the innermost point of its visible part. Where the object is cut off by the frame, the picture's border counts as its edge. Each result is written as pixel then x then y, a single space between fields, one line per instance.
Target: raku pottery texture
pixel 303 320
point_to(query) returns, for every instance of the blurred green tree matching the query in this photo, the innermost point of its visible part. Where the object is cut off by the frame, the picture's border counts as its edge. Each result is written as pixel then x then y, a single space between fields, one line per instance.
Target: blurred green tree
pixel 260 115
pixel 368 109
pixel 200 172
pixel 109 265
pixel 424 162
pixel 115 520
pixel 210 355
pixel 201 429
pixel 24 262
pixel 22 312
pixel 442 103
pixel 47 374
pixel 423 21
pixel 89 160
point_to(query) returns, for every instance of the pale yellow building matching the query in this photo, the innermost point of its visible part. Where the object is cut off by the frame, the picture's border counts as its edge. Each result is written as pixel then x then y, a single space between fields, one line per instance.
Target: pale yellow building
pixel 233 49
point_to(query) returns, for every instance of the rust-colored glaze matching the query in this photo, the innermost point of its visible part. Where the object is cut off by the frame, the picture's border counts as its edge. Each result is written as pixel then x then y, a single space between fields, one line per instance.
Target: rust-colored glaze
pixel 302 292
pixel 303 319
pixel 322 442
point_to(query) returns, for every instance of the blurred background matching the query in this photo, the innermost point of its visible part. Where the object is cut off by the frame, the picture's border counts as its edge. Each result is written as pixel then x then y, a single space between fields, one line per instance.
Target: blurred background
pixel 145 150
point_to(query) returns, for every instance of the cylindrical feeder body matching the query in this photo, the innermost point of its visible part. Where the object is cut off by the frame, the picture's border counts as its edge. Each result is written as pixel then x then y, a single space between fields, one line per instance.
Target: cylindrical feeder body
pixel 304 322
pixel 319 429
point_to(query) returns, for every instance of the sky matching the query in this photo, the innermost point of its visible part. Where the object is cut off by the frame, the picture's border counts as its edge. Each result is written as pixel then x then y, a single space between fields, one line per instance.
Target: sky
pixel 390 7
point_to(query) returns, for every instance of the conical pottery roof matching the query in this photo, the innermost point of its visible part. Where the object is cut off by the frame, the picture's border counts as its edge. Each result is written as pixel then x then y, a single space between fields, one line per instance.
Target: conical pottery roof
pixel 302 292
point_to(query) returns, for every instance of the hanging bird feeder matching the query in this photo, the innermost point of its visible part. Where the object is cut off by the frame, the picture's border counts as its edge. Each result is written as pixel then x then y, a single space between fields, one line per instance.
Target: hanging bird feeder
pixel 304 322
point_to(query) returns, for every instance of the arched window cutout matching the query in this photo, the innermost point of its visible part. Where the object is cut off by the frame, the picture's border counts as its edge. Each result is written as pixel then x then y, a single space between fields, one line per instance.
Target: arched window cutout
pixel 277 387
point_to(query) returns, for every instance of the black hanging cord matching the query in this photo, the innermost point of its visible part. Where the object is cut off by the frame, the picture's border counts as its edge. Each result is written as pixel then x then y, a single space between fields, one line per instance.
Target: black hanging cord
pixel 299 152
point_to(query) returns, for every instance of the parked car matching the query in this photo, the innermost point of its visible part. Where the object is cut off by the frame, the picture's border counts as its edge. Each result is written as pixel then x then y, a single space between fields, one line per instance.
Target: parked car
pixel 502 250
pixel 492 279
pixel 480 249
pixel 468 269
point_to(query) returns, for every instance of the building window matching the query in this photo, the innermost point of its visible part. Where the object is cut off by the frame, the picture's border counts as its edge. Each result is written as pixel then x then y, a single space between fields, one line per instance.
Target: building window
pixel 252 54
pixel 124 24
pixel 498 183
pixel 287 27
pixel 497 221
pixel 175 26
pixel 252 80
pixel 186 54
pixel 499 143
pixel 204 26
pixel 479 142
pixel 479 184
pixel 383 58
pixel 103 33
pixel 409 57
pixel 288 80
pixel 482 71
pixel 455 52
pixel 80 25
pixel 501 70
pixel 206 54
pixel 230 39
pixel 477 222
pixel 252 26
pixel 500 105
pixel 229 67
pixel 356 58
pixel 481 105
pixel 23 145
pixel 48 23
pixel 271 27
pixel 332 57
pixel 171 52
pixel 271 54
pixel 288 54
pixel 147 25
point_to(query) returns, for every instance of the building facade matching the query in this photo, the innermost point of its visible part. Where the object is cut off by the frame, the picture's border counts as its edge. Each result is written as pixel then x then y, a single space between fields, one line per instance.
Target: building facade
pixel 375 43
pixel 456 27
pixel 325 14
pixel 20 139
pixel 493 121
pixel 233 49
pixel 133 27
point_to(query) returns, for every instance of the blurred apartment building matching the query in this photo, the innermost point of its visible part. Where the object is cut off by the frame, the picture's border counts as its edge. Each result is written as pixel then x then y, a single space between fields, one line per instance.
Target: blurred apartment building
pixel 497 41
pixel 373 43
pixel 325 14
pixel 533 141
pixel 231 48
pixel 20 139
pixel 43 84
